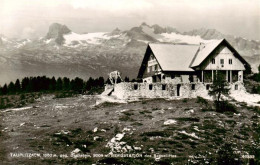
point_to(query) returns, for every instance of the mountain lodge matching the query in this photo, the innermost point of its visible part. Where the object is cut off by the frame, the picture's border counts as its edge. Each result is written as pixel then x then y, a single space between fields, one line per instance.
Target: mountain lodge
pixel 170 63
pixel 182 70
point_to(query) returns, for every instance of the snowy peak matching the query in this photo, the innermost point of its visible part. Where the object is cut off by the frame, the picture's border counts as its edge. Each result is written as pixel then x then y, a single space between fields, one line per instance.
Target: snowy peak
pixel 3 39
pixel 158 29
pixel 144 24
pixel 116 32
pixel 165 34
pixel 137 29
pixel 74 39
pixel 96 53
pixel 138 33
pixel 56 31
pixel 206 33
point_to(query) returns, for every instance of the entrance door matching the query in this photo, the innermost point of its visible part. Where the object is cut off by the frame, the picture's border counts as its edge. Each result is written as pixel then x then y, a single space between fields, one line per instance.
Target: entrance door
pixel 154 79
pixel 178 89
pixel 228 76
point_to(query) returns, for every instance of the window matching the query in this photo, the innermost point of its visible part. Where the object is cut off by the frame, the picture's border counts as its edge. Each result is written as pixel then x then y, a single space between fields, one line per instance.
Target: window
pixel 154 78
pixel 155 67
pixel 230 61
pixel 207 86
pixel 150 86
pixel 222 62
pixel 163 87
pixel 135 86
pixel 192 86
pixel 151 57
pixel 213 61
pixel 236 87
pixel 163 77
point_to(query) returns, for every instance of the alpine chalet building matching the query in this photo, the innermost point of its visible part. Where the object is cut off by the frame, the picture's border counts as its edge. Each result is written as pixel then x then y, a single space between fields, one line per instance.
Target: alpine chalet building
pixel 182 70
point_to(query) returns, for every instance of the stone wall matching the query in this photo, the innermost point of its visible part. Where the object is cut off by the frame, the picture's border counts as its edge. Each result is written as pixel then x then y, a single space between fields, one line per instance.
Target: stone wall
pixel 158 90
pixel 237 86
pixel 127 90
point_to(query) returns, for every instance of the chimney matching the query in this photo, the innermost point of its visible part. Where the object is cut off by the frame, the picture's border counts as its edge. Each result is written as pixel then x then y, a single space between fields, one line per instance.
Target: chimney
pixel 202 45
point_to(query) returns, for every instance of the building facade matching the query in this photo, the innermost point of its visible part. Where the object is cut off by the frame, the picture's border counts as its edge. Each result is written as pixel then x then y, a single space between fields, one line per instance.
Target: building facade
pixel 170 63
pixel 181 70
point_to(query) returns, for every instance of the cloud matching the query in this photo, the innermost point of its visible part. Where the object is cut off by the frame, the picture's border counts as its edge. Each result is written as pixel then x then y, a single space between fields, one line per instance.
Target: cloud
pixel 228 16
pixel 112 5
pixel 28 32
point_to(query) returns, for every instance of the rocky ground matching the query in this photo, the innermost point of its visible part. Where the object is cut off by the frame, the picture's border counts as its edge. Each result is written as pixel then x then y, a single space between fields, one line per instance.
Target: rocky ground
pixel 156 131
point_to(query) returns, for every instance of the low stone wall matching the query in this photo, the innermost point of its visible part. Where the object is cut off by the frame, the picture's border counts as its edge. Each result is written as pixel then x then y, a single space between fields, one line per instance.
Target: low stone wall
pixel 237 86
pixel 158 90
pixel 127 90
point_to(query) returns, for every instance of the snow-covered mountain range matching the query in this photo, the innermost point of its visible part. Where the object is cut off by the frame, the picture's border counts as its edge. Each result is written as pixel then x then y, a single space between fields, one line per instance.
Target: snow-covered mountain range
pixel 63 52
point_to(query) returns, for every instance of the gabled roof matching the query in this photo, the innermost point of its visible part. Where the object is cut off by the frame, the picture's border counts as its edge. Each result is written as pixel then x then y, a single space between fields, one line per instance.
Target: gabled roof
pixel 204 52
pixel 174 57
pixel 208 48
pixel 180 57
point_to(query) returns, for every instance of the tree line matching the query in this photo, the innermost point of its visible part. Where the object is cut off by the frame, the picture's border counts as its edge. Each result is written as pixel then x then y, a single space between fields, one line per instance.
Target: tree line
pixel 46 84
pixel 256 77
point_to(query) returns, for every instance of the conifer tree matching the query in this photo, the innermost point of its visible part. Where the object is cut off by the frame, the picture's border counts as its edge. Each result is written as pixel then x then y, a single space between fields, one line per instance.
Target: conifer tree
pixel 59 84
pixel 4 90
pixel 17 85
pixel 219 88
pixel 66 84
pixel 52 84
pixel 11 88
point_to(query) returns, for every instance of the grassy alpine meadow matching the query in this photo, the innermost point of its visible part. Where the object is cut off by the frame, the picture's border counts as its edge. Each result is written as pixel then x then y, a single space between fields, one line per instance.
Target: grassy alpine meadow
pixel 75 130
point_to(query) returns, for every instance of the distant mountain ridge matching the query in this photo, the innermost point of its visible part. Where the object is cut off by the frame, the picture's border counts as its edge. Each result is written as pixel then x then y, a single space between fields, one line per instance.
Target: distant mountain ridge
pixel 57 31
pixel 63 52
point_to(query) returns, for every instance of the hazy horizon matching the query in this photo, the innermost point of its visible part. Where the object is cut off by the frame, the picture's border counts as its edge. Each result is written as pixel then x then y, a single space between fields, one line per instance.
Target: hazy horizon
pixel 31 18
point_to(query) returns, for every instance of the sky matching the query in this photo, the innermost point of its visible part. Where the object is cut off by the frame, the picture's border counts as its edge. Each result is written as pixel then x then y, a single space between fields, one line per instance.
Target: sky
pixel 31 18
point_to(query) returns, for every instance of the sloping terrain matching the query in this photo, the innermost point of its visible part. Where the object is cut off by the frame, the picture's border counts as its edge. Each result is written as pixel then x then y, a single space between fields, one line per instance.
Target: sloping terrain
pixel 72 130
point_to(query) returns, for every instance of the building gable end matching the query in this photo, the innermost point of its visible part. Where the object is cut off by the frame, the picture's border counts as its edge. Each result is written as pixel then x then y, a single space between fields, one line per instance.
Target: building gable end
pixel 224 43
pixel 145 62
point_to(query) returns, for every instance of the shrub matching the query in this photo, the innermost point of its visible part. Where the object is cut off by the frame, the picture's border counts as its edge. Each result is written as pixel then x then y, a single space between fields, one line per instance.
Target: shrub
pixel 256 89
pixel 224 106
pixel 116 130
pixel 156 133
pixel 136 124
pixel 226 155
pixel 95 90
pixel 125 118
pixel 22 97
pixel 204 103
pixel 201 100
pixel 64 94
pixel 108 104
pixel 185 100
pixel 192 119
